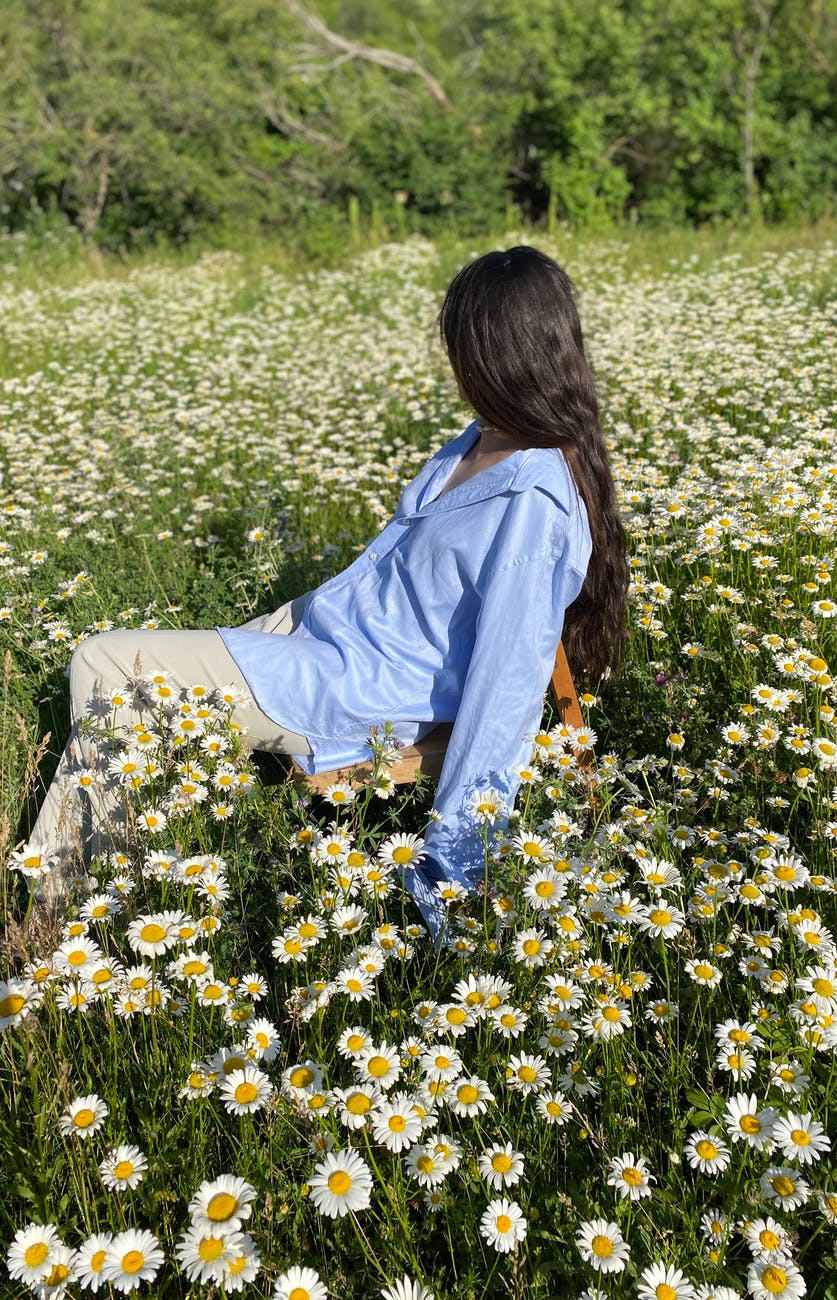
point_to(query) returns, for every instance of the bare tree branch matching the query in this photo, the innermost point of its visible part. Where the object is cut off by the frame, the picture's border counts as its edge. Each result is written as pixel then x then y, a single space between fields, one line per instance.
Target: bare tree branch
pixel 368 53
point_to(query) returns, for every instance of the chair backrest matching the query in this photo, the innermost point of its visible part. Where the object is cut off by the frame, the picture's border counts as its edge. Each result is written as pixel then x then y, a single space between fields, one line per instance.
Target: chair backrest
pixel 428 754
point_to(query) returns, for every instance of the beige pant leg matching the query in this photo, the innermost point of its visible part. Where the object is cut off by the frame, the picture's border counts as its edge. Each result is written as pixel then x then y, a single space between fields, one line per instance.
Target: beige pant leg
pixel 69 825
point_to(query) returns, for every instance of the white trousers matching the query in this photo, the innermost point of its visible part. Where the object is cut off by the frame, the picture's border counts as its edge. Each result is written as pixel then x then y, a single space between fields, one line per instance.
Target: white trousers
pixel 75 824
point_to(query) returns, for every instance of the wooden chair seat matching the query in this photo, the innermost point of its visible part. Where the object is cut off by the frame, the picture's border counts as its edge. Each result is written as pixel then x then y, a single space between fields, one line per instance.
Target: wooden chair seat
pixel 428 754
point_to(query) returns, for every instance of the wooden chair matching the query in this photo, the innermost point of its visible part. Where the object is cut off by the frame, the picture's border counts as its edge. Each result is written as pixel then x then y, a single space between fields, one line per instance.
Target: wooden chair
pixel 428 754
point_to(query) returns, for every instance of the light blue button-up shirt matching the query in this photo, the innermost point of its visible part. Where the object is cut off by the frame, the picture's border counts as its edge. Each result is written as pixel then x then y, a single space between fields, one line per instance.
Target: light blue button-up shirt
pixel 452 614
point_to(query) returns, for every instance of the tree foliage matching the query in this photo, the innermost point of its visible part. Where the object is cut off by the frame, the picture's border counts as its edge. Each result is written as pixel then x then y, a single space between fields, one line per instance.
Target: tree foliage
pixel 142 118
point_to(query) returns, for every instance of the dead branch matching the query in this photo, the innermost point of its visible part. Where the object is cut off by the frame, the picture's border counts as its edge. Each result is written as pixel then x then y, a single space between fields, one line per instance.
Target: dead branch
pixel 368 53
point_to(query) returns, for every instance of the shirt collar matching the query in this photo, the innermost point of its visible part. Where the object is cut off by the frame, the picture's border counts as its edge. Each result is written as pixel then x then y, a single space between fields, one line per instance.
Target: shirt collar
pixel 488 482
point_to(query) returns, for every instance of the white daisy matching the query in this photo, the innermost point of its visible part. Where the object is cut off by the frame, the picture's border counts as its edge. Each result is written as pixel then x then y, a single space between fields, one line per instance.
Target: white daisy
pixel 470 1096
pixel 123 1168
pixel 784 1186
pixel 341 1184
pixel 553 1107
pixel 222 1204
pixel 357 1105
pixel 406 1289
pixel 90 1259
pixel 32 1252
pixel 300 1284
pixel 395 1124
pixel 630 1176
pixel 244 1265
pixel 775 1280
pixel 84 1116
pixel 502 1224
pixel 245 1091
pixel 708 1154
pixel 205 1253
pixel 501 1166
pixel 379 1065
pixel 746 1123
pixel 133 1257
pixel 801 1137
pixel 767 1238
pixel 426 1165
pixel 664 1282
pixel 602 1246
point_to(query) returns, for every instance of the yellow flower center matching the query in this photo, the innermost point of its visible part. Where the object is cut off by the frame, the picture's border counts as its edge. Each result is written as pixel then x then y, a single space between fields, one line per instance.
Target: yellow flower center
pixel 36 1254
pixel 211 1248
pixel 301 1076
pixel 704 972
pixel 706 1149
pixel 11 1004
pixel 611 1014
pixel 527 1074
pixel 531 947
pixel 378 1066
pixel 660 916
pixel 799 1137
pixel 132 1261
pixel 221 1207
pixel 358 1104
pixel 300 1293
pixel 782 1185
pixel 601 1246
pixel 503 1222
pixel 749 1124
pixel 124 1169
pixel 632 1177
pixel 824 987
pixel 774 1279
pixel 245 1093
pixel 467 1094
pixel 84 1118
pixel 501 1163
pixel 403 854
pixel 339 1182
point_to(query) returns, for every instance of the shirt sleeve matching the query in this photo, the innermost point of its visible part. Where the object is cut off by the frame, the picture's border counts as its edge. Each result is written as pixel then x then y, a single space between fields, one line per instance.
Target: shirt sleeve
pixel 517 633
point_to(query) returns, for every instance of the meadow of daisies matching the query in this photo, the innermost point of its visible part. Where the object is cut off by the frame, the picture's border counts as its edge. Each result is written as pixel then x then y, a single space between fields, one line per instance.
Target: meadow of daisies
pixel 232 1062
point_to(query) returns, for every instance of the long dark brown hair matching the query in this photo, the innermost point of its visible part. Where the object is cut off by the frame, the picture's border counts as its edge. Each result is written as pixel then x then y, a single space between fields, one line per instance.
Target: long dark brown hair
pixel 514 342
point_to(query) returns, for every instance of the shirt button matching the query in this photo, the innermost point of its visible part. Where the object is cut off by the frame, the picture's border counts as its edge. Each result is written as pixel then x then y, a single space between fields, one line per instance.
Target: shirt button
pixel 373 555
